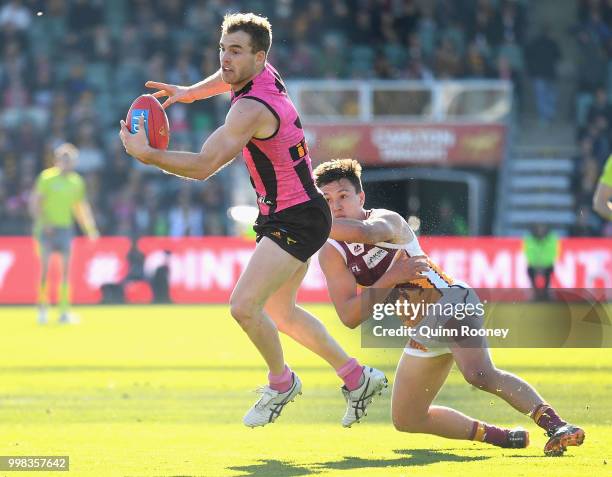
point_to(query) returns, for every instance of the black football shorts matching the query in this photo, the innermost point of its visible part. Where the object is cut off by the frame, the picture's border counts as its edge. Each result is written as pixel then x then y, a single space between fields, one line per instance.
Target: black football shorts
pixel 300 230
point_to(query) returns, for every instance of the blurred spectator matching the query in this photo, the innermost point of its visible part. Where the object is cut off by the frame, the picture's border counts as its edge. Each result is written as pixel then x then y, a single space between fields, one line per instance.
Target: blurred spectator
pixel 215 208
pixel 362 29
pixel 184 72
pixel 84 111
pixel 476 62
pixel 76 83
pixel 594 150
pixel 201 18
pixel 123 206
pixel 91 157
pixel 541 249
pixel 43 82
pixel 509 24
pixel 408 19
pixel 173 13
pixel 15 14
pixel 158 41
pixel 586 172
pixel 134 287
pixel 543 55
pixel 14 216
pixel 340 21
pixel 383 68
pixel 601 106
pixel 602 199
pixel 606 11
pixel 595 25
pixel 150 216
pixel 185 220
pixel 598 131
pixel 160 281
pixel 447 63
pixel 331 59
pixel 103 45
pixel 78 67
pixel 304 60
pixel 29 144
pixel 13 80
pixel 84 15
pixel 117 168
pixel 449 222
pixel 592 61
pixel 481 27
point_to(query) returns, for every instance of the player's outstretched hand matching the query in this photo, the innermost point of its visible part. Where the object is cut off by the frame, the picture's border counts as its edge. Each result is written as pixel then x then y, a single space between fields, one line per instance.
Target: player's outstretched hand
pixel 174 93
pixel 137 144
pixel 405 268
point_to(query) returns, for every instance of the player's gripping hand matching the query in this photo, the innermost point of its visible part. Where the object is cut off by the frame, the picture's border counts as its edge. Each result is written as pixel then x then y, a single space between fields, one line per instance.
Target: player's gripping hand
pixel 405 268
pixel 137 144
pixel 175 93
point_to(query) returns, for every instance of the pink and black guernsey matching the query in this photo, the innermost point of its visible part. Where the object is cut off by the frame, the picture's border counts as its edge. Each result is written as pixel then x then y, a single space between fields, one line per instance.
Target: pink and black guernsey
pixel 279 166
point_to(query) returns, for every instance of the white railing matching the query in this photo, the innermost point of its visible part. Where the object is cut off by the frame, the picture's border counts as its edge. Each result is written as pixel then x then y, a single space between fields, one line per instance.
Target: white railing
pixel 367 101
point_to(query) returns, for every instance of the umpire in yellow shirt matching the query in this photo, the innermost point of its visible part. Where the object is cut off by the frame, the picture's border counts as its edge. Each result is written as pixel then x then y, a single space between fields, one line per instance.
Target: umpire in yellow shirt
pixel 58 196
pixel 602 200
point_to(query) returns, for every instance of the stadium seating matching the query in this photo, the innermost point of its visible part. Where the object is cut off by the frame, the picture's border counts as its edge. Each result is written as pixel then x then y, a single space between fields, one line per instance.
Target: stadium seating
pixel 110 51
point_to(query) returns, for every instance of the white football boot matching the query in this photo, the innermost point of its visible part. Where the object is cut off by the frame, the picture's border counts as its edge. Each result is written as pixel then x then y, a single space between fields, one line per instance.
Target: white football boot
pixel 271 404
pixel 358 400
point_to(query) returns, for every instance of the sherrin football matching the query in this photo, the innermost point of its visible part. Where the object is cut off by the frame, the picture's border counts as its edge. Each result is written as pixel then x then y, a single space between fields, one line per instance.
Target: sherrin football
pixel 155 120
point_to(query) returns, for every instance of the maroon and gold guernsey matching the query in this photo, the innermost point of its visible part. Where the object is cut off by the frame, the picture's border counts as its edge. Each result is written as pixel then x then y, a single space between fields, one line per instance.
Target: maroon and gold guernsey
pixel 369 262
pixel 366 262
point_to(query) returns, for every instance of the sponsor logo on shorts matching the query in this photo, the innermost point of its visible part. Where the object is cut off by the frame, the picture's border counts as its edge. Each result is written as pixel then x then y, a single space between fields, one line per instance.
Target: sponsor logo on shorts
pixel 282 235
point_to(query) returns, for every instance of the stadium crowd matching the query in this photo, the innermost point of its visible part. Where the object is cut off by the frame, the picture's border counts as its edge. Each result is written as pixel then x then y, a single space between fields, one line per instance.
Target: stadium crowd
pixel 593 35
pixel 70 68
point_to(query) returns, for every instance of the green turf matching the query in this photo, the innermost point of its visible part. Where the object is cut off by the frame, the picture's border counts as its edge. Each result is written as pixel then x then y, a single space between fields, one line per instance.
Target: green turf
pixel 160 391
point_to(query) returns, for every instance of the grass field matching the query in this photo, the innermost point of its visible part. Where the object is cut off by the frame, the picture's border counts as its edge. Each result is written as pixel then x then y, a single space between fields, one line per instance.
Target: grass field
pixel 161 391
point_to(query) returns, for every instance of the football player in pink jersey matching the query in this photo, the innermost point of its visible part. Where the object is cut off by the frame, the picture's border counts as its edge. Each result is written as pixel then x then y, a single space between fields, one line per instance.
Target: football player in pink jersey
pixel 362 251
pixel 294 218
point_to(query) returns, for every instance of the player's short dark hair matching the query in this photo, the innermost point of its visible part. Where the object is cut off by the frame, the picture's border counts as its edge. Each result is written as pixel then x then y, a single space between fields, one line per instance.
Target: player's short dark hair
pixel 257 27
pixel 336 169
